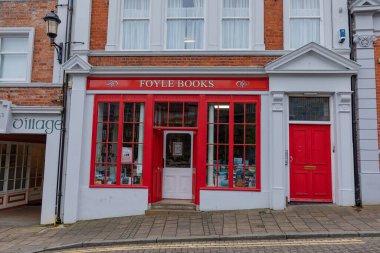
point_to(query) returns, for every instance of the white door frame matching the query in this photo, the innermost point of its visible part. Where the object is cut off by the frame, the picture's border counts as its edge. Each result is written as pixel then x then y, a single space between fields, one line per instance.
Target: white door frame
pixel 166 170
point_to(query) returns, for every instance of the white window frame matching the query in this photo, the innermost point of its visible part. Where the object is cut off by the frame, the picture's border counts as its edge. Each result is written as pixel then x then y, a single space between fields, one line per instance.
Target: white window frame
pixel 25 32
pixel 166 18
pixel 121 28
pixel 325 21
pixel 157 27
pixel 250 27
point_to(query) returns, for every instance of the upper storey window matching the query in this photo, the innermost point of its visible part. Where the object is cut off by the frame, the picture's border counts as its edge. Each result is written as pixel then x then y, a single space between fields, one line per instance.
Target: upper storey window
pixel 185 24
pixel 16 48
pixel 305 22
pixel 235 24
pixel 136 24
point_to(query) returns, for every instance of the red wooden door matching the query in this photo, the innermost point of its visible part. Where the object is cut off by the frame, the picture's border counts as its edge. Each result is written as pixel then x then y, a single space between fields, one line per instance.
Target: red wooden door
pixel 158 165
pixel 310 163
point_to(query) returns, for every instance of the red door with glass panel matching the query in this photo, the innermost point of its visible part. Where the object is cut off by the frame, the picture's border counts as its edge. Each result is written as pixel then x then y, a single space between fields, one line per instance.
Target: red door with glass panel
pixel 310 163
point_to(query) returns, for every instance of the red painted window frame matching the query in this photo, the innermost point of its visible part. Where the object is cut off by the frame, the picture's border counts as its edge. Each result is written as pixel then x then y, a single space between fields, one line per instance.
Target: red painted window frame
pixel 114 99
pixel 231 100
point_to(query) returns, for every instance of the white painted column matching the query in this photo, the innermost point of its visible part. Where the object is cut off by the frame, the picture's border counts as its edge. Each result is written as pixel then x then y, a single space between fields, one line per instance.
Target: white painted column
pixel 50 178
pixel 344 166
pixel 74 149
pixel 277 151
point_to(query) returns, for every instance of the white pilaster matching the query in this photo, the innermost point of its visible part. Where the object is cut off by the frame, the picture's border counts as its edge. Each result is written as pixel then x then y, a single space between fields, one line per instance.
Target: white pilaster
pixel 74 148
pixel 344 173
pixel 277 150
pixel 50 178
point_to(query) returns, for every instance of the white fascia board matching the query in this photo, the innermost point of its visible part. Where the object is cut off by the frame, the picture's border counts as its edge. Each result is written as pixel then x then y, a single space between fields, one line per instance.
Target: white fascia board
pixel 352 72
pixel 36 109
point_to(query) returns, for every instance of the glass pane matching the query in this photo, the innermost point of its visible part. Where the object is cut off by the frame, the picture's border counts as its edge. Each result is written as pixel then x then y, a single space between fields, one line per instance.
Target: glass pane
pixel 101 152
pixel 23 183
pixel 32 182
pixel 211 154
pixel 238 155
pixel 309 108
pixel 10 185
pixel 139 133
pixel 13 67
pixel 126 176
pixel 102 112
pixel 2 173
pixel 239 113
pixel 175 114
pixel 160 114
pixel 235 8
pixel 113 132
pixel 111 174
pixel 223 155
pixel 191 113
pixel 114 112
pixel 239 176
pixel 137 174
pixel 303 31
pixel 235 33
pixel 112 153
pixel 223 134
pixel 178 150
pixel 302 8
pixel 18 172
pixel 99 174
pixel 136 34
pixel 126 154
pixel 239 134
pixel 128 112
pixel 222 176
pixel 139 112
pixel 136 8
pixel 18 184
pixel 1 186
pixel 102 132
pixel 127 132
pixel 224 111
pixel 138 153
pixel 250 134
pixel 14 45
pixel 185 8
pixel 185 34
pixel 250 177
pixel 39 182
pixel 11 173
pixel 250 155
pixel 250 113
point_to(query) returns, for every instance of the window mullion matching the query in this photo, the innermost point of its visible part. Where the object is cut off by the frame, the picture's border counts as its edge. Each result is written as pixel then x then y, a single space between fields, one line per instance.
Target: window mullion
pixel 231 146
pixel 119 143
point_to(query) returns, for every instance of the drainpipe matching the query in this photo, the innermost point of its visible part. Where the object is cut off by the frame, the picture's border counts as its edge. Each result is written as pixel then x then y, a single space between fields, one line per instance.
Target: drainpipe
pixel 67 52
pixel 358 200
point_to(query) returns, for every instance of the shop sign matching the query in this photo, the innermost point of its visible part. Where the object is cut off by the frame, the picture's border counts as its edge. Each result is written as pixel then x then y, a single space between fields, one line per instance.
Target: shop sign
pixel 42 125
pixel 252 84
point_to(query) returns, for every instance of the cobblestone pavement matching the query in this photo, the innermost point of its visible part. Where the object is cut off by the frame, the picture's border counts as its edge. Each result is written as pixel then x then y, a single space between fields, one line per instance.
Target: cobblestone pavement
pixel 346 245
pixel 295 219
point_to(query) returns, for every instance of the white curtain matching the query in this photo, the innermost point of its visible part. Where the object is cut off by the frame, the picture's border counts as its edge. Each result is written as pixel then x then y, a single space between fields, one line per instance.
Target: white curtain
pixel 235 24
pixel 185 24
pixel 304 22
pixel 136 24
pixel 13 58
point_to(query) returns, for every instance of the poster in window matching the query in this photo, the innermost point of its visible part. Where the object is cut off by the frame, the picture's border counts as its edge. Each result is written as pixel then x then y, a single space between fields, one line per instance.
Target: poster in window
pixel 126 155
pixel 177 148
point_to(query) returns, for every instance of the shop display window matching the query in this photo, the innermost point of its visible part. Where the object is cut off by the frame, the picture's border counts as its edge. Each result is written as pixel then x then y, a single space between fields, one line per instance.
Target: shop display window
pixel 231 145
pixel 175 114
pixel 119 143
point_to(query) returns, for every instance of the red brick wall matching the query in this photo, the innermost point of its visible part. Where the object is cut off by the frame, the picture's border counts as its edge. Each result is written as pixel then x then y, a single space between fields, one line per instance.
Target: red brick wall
pixel 32 96
pixel 377 72
pixel 181 61
pixel 273 25
pixel 30 14
pixel 99 22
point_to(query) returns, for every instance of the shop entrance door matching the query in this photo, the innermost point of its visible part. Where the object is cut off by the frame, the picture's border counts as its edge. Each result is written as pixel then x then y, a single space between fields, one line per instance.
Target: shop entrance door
pixel 178 165
pixel 310 163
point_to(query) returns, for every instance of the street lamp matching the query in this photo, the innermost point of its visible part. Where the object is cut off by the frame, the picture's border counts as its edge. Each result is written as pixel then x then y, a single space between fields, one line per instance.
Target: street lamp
pixel 52 22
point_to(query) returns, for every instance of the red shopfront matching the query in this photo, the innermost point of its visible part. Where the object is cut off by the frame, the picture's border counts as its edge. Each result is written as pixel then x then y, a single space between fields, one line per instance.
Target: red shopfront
pixel 176 136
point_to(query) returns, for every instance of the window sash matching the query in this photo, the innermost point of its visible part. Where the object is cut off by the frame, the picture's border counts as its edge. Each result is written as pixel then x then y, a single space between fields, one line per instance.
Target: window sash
pixel 10 53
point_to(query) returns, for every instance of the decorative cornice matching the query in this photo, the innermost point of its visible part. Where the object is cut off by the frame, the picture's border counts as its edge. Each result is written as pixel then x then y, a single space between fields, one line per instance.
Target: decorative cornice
pixel 364 40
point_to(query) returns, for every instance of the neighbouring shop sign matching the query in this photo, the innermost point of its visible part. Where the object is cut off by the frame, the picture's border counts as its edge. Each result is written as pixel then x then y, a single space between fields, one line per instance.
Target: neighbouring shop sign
pixel 38 125
pixel 253 84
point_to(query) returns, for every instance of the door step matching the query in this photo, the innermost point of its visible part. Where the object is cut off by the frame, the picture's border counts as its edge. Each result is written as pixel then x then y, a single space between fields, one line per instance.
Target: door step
pixel 172 206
